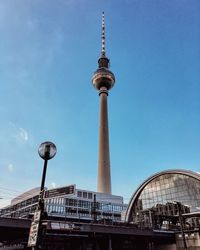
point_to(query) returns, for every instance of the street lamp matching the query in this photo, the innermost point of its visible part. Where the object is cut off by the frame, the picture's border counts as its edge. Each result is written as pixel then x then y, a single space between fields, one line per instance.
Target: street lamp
pixel 47 150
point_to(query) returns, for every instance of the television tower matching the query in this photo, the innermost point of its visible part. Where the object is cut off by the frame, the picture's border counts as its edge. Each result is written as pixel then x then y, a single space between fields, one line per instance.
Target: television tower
pixel 103 80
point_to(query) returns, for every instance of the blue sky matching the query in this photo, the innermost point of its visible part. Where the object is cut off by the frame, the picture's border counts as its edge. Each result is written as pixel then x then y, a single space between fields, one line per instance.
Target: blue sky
pixel 49 51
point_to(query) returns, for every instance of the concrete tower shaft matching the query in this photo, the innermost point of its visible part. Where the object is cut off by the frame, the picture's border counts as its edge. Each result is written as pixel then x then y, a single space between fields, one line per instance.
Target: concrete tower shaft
pixel 104 177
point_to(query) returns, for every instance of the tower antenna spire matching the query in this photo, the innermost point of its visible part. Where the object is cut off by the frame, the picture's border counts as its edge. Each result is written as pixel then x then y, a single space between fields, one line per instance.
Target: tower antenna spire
pixel 103 52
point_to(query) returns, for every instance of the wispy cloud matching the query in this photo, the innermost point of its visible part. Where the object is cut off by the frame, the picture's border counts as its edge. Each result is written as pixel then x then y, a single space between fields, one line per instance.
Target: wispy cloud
pixel 21 134
pixel 10 167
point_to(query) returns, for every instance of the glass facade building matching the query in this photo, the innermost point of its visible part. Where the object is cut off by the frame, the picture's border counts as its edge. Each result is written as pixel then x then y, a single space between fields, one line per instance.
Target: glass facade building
pixel 67 202
pixel 158 197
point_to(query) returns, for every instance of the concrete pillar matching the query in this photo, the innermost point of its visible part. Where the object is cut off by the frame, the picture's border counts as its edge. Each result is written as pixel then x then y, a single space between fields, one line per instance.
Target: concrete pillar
pixel 151 246
pixel 109 244
pixel 97 245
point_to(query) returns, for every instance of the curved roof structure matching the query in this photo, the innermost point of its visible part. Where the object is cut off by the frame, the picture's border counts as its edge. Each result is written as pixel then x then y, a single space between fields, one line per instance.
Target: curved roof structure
pixel 28 194
pixel 137 193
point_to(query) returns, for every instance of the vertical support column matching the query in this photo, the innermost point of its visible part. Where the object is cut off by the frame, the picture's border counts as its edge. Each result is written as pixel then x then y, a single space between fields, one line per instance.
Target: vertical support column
pixel 97 245
pixel 104 177
pixel 151 245
pixel 109 243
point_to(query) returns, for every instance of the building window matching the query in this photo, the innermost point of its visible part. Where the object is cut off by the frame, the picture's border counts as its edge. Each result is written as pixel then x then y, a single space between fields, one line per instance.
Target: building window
pixel 90 196
pixel 79 194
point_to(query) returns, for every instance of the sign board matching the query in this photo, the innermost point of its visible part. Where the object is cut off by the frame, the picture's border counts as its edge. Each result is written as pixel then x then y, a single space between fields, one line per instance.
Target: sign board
pixel 36 216
pixel 33 235
pixel 60 191
pixel 65 226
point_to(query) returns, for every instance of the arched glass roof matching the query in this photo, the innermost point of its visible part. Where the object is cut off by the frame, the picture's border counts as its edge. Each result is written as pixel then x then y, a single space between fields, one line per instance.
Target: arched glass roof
pixel 159 192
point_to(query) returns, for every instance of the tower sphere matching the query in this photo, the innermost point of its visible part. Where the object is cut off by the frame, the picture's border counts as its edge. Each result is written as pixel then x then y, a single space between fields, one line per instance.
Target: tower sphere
pixel 103 77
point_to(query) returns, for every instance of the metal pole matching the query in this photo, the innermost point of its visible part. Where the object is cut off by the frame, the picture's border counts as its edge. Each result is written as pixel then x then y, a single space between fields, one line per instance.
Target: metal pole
pixel 150 219
pixel 41 206
pixel 94 209
pixel 181 224
pixel 43 175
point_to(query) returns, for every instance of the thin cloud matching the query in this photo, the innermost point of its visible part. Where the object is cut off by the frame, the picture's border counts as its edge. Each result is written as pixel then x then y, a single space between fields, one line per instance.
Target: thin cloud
pixel 19 133
pixel 23 134
pixel 10 167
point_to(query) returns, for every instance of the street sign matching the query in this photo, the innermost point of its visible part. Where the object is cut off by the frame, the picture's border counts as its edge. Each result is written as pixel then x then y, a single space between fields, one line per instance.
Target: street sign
pixel 37 216
pixel 33 234
pixel 60 191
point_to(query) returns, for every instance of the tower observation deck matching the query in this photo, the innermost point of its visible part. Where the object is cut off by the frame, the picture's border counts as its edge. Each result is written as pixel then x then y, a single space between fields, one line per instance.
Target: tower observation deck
pixel 103 80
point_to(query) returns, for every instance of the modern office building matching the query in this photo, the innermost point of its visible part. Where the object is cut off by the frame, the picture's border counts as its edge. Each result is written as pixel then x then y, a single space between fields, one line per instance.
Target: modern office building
pixel 68 202
pixel 162 197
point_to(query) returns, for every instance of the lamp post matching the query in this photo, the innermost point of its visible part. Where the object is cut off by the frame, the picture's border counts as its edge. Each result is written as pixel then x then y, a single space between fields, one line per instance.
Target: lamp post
pixel 47 150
